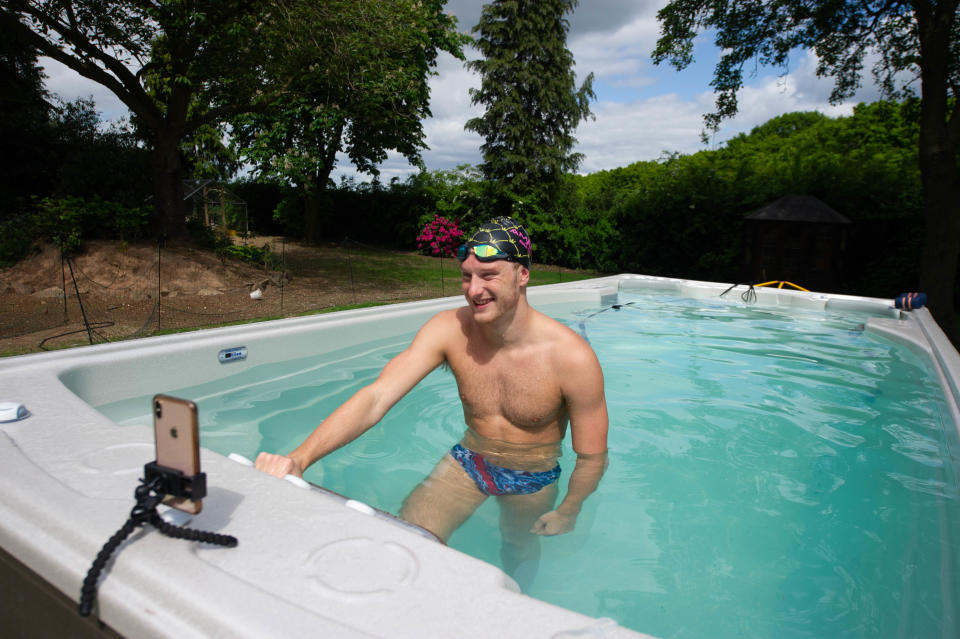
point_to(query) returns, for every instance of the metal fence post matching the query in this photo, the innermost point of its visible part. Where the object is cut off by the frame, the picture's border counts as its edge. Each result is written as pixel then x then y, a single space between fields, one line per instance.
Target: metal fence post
pixel 63 288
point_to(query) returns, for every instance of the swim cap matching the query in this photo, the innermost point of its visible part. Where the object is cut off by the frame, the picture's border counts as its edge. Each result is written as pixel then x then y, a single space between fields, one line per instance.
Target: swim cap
pixel 506 235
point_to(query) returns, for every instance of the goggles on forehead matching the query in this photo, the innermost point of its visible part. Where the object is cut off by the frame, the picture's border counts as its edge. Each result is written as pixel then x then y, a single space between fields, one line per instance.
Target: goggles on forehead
pixel 484 252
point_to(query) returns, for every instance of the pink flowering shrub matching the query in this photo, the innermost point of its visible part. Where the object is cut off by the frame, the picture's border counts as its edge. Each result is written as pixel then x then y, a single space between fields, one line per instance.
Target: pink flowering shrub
pixel 440 237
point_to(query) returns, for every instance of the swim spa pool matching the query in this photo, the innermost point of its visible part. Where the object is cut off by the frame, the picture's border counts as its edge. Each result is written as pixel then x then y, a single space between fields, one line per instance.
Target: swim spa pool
pixel 407 584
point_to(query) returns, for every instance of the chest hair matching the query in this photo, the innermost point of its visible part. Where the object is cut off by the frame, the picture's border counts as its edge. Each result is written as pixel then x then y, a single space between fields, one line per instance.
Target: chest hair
pixel 517 387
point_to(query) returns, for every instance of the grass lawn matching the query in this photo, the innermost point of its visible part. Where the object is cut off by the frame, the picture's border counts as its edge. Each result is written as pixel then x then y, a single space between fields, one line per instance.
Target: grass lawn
pixel 395 266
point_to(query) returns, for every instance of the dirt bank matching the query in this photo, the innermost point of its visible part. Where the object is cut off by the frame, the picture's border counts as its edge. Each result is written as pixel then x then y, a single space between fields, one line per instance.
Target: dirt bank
pixel 124 293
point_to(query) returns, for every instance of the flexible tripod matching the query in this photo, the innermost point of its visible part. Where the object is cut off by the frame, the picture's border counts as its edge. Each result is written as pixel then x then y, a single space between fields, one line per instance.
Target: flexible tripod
pixel 157 483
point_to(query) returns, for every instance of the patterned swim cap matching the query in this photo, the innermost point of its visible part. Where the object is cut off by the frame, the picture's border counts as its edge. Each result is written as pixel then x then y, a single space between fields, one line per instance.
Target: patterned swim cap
pixel 508 236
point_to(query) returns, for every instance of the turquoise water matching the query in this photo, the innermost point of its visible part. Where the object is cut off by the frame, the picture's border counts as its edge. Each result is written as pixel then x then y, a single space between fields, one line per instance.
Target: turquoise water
pixel 772 472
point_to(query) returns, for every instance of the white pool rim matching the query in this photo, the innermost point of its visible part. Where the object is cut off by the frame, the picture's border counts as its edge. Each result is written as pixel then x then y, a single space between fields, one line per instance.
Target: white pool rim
pixel 307 562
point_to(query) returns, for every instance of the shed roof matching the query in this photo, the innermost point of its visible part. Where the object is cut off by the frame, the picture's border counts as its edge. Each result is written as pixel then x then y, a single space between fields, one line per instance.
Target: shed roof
pixel 799 208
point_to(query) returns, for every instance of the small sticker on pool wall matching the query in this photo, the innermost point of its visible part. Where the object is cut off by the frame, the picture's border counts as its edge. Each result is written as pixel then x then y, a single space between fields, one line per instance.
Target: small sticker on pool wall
pixel 233 354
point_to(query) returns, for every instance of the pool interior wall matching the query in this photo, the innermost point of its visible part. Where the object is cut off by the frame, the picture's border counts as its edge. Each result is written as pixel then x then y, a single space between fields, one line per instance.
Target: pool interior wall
pixel 306 561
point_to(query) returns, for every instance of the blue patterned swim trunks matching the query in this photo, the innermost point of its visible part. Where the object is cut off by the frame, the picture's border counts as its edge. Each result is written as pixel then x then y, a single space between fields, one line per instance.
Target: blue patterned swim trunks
pixel 495 480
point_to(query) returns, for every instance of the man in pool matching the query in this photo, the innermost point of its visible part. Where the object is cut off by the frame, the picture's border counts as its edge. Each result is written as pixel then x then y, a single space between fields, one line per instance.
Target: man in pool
pixel 522 376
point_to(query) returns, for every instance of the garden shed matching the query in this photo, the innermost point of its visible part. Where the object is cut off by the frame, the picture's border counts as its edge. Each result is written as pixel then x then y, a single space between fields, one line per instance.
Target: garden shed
pixel 217 206
pixel 799 239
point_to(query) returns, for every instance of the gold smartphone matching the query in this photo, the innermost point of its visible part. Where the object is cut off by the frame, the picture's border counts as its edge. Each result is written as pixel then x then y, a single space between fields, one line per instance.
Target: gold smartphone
pixel 176 432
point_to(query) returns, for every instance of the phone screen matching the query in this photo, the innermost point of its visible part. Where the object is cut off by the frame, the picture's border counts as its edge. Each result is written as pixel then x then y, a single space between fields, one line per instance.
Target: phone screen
pixel 176 431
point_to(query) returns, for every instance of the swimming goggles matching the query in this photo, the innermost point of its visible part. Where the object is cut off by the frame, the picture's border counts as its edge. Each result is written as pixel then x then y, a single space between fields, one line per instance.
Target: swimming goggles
pixel 484 252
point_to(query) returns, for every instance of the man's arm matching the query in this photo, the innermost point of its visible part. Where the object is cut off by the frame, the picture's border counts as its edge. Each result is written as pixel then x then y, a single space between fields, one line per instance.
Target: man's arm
pixel 369 404
pixel 587 409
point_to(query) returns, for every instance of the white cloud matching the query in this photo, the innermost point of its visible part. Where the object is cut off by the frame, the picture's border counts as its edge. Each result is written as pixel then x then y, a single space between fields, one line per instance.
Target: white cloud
pixel 624 133
pixel 799 90
pixel 590 15
pixel 621 57
pixel 605 16
pixel 69 85
pixel 643 129
pixel 450 89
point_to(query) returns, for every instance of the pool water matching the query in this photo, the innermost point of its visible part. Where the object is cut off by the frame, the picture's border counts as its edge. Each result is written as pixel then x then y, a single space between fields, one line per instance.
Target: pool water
pixel 772 472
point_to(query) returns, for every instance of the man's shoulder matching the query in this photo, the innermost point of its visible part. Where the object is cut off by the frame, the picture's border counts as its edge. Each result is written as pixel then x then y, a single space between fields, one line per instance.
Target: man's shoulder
pixel 560 337
pixel 438 335
pixel 556 330
pixel 445 324
pixel 452 317
pixel 567 347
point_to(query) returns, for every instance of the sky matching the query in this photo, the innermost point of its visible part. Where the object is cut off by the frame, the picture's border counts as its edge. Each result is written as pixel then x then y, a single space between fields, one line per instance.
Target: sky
pixel 641 112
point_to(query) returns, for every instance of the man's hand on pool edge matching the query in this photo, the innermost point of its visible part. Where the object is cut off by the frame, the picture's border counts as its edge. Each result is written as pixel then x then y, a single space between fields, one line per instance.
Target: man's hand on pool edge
pixel 553 523
pixel 277 465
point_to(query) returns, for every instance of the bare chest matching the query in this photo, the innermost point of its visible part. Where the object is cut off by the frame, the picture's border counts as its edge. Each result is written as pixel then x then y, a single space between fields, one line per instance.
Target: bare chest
pixel 523 391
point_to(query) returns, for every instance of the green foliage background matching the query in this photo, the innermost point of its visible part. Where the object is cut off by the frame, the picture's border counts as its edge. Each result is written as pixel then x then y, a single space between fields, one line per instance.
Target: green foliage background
pixel 678 216
pixel 683 215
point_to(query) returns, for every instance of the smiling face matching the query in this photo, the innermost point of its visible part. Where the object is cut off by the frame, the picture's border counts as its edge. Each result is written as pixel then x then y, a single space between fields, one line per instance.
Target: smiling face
pixel 492 289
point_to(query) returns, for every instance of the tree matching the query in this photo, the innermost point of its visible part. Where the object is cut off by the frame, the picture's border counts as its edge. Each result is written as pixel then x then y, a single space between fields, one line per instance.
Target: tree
pixel 911 39
pixel 361 88
pixel 24 125
pixel 91 160
pixel 178 66
pixel 529 90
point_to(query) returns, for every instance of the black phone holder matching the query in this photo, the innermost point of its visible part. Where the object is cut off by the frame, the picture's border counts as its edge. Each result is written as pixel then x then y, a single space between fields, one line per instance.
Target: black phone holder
pixel 171 481
pixel 158 482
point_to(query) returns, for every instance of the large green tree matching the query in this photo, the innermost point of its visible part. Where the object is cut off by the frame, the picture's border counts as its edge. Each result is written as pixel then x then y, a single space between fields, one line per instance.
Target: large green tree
pixel 528 87
pixel 91 159
pixel 178 65
pixel 362 88
pixel 910 40
pixel 24 125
